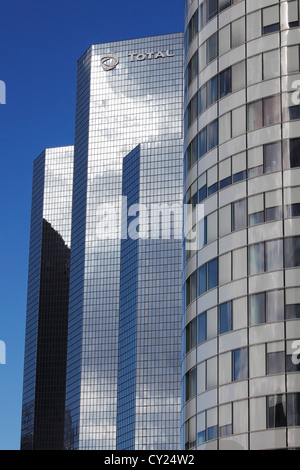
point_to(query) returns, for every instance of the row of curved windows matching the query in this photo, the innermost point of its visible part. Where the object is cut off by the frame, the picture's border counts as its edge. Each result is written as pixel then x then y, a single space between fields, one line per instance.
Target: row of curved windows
pixel 256 162
pixel 262 257
pixel 274 411
pixel 264 307
pixel 209 137
pixel 216 88
pixel 207 11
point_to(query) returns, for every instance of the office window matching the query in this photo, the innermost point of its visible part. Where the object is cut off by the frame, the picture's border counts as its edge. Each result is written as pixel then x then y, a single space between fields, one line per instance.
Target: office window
pixel 294 113
pixel 271 19
pixel 225 424
pixel 192 69
pixel 256 259
pixel 212 424
pixel 192 28
pixel 240 176
pixel 272 157
pixel 212 135
pixel 274 213
pixel 274 255
pixel 255 115
pixel 292 252
pixel 239 215
pixel 293 13
pixel 238 32
pixel 190 333
pixel 292 154
pixel 202 142
pixel 257 309
pixel 276 411
pixel 202 327
pixel 212 8
pixel 190 384
pixel 240 364
pixel 224 4
pixel 271 64
pixel 275 306
pixel 276 363
pixel 256 218
pixel 272 110
pixel 293 409
pixel 212 189
pixel 202 279
pixel 202 193
pixel 292 210
pixel 201 428
pixel 212 273
pixel 212 48
pixel 202 95
pixel 212 90
pixel 225 82
pixel 225 317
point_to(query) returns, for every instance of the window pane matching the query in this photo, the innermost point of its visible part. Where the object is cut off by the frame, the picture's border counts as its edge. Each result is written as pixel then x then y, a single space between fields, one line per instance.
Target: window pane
pixel 272 111
pixel 202 99
pixel 274 255
pixel 292 252
pixel 202 193
pixel 257 309
pixel 225 317
pixel 212 8
pixel 294 113
pixel 293 409
pixel 240 364
pixel 276 411
pixel 202 280
pixel 239 215
pixel 272 157
pixel 238 32
pixel 212 91
pixel 212 135
pixel 275 306
pixel 294 157
pixel 202 328
pixel 213 274
pixel 225 83
pixel 193 283
pixel 257 218
pixel 256 259
pixel 224 4
pixel 276 363
pixel 201 428
pixel 274 213
pixel 202 142
pixel 255 116
pixel 212 47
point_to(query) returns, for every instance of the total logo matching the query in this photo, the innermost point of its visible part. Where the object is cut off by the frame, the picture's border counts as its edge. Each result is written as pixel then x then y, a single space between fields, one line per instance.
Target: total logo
pixel 110 60
pixel 150 55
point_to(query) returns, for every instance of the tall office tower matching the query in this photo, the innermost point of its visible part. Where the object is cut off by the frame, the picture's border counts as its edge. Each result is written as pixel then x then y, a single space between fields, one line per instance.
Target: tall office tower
pixel 242 285
pixel 48 299
pixel 124 359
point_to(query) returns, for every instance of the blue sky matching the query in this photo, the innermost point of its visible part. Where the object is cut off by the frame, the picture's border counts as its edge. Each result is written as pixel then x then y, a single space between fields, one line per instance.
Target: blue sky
pixel 40 42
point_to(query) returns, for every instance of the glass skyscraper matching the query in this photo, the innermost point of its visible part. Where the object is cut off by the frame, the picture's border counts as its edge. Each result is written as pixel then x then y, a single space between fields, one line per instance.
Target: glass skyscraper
pixel 48 299
pixel 123 353
pixel 240 385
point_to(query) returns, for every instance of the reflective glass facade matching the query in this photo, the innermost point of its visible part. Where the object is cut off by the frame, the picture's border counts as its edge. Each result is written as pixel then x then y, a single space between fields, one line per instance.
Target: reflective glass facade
pixel 128 99
pixel 240 386
pixel 48 299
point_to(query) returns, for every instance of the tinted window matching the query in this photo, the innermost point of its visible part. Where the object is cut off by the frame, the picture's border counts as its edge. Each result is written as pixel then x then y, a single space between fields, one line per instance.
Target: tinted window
pixel 276 411
pixel 225 317
pixel 240 364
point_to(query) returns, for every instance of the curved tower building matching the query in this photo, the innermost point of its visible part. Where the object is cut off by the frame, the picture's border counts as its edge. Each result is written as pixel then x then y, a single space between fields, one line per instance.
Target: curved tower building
pixel 241 327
